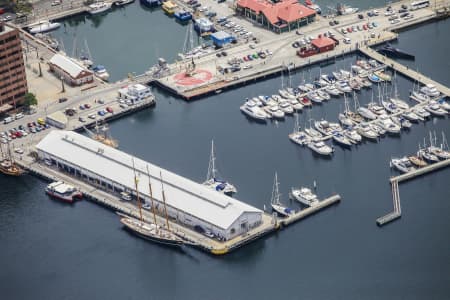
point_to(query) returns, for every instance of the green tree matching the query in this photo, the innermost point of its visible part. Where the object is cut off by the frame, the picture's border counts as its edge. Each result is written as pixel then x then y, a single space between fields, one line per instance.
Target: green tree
pixel 30 99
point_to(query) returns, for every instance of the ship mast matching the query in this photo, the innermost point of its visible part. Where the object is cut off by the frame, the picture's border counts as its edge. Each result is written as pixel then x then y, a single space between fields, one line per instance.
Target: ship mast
pixel 151 197
pixel 136 181
pixel 212 166
pixel 164 201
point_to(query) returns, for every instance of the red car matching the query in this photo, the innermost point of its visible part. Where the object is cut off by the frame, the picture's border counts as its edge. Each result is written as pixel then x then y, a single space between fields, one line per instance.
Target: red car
pixel 109 109
pixel 87 105
pixel 349 29
pixel 365 26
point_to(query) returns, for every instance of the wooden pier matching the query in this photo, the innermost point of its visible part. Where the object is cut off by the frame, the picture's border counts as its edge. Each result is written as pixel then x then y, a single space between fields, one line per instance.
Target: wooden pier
pixel 297 216
pixel 397 212
pixel 404 70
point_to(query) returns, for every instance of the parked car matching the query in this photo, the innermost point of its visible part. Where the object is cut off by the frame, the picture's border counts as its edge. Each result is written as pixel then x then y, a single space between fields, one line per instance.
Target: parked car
pixel 87 105
pixel 109 109
pixel 61 100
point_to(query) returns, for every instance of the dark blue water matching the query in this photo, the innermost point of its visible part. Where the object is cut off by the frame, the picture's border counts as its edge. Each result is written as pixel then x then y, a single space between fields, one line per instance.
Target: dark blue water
pixel 54 251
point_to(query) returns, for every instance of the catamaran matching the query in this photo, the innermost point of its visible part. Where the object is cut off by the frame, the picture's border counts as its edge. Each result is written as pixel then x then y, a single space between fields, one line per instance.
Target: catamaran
pixel 212 180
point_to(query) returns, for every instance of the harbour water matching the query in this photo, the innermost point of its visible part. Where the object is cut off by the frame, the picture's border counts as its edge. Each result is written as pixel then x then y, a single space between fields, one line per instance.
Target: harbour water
pixel 81 251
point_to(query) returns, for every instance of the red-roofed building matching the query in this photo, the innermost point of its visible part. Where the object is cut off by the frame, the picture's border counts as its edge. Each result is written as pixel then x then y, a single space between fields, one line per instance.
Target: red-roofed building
pixel 282 16
pixel 318 45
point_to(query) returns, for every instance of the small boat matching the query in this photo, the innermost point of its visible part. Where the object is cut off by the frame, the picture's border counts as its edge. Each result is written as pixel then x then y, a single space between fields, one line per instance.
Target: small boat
pixel 99 7
pixel 427 156
pixel 252 110
pixel 119 3
pixel 314 97
pixel 343 9
pixel 169 7
pixel 352 135
pixel 400 103
pixel 435 109
pixel 182 16
pixel 418 96
pixel 378 129
pixel 374 78
pixel 387 124
pixel 417 161
pixel 100 71
pixel 286 107
pixel 345 120
pixel 43 26
pixel 296 105
pixel 383 76
pixel 341 139
pixel 314 134
pixel 411 116
pixel 151 3
pixel 391 51
pixel 444 104
pixel 212 179
pixel 286 95
pixel 323 94
pixel 313 6
pixel 274 111
pixel 391 107
pixel 366 131
pixel 439 152
pixel 297 136
pixel 327 128
pixel 354 84
pixel 63 191
pixel 8 167
pixel 332 90
pixel 305 101
pixel 403 164
pixel 304 195
pixel 366 113
pixel 277 206
pixel 376 108
pixel 430 90
pixel 304 89
pixel 321 148
pixel 343 87
pixel 421 112
pixel 401 121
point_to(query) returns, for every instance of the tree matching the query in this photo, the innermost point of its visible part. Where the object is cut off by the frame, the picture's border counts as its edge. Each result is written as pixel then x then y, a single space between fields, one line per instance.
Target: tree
pixel 30 99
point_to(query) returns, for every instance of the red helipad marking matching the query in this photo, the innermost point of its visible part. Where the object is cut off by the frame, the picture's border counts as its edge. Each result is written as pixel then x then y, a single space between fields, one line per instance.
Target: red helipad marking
pixel 199 77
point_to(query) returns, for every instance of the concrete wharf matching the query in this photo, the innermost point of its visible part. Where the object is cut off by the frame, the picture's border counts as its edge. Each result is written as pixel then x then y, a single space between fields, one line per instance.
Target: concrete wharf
pixel 412 74
pixel 297 216
pixel 397 212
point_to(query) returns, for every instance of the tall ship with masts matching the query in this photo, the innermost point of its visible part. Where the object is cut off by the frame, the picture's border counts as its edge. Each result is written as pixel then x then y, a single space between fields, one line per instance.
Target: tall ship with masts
pixel 7 164
pixel 101 134
pixel 151 231
pixel 212 179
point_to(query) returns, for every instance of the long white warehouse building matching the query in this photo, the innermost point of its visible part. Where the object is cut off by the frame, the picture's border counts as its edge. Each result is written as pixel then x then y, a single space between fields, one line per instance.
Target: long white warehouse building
pixel 188 202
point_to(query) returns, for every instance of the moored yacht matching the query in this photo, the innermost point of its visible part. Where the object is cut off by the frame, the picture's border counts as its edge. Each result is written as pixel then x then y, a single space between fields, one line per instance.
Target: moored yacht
pixel 435 109
pixel 304 195
pixel 99 7
pixel 100 71
pixel 274 111
pixel 403 164
pixel 366 113
pixel 341 139
pixel 277 206
pixel 43 26
pixel 321 148
pixel 430 90
pixel 252 110
pixel 366 131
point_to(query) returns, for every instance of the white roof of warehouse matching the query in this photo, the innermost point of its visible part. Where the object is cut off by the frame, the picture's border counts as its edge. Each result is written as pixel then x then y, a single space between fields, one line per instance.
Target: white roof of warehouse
pixel 182 193
pixel 67 65
pixel 220 35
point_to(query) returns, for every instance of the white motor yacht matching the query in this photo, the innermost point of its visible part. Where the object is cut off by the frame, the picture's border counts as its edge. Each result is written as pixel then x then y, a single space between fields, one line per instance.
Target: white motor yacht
pixel 314 97
pixel 391 107
pixel 286 95
pixel 323 94
pixel 435 109
pixel 305 196
pixel 430 90
pixel 274 111
pixel 366 131
pixel 411 116
pixel 443 104
pixel 314 134
pixel 376 108
pixel 43 26
pixel 403 164
pixel 252 110
pixel 286 107
pixel 343 87
pixel 421 112
pixel 387 124
pixel 352 135
pixel 296 105
pixel 300 138
pixel 320 148
pixel 366 113
pixel 327 128
pixel 418 96
pixel 332 90
pixel 341 139
pixel 99 7
pixel 345 120
pixel 400 103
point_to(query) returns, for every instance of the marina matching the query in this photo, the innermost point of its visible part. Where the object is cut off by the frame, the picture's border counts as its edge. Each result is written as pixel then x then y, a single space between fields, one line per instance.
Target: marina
pixel 180 135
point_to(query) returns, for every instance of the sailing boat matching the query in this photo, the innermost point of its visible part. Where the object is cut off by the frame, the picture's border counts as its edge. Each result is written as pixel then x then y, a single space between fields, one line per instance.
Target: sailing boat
pixel 212 180
pixel 102 135
pixel 297 136
pixel 275 201
pixel 150 231
pixel 7 164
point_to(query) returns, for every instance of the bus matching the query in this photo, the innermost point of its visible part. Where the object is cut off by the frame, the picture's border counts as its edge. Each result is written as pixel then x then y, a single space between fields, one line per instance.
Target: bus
pixel 420 4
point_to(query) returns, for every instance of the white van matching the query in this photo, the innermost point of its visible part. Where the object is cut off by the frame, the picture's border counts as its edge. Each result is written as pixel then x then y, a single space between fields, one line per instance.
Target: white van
pixel 347 40
pixel 8 120
pixel 19 116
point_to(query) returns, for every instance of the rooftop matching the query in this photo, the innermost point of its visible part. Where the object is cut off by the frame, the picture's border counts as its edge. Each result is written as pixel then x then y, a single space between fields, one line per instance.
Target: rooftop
pixel 286 10
pixel 67 65
pixel 322 41
pixel 182 193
